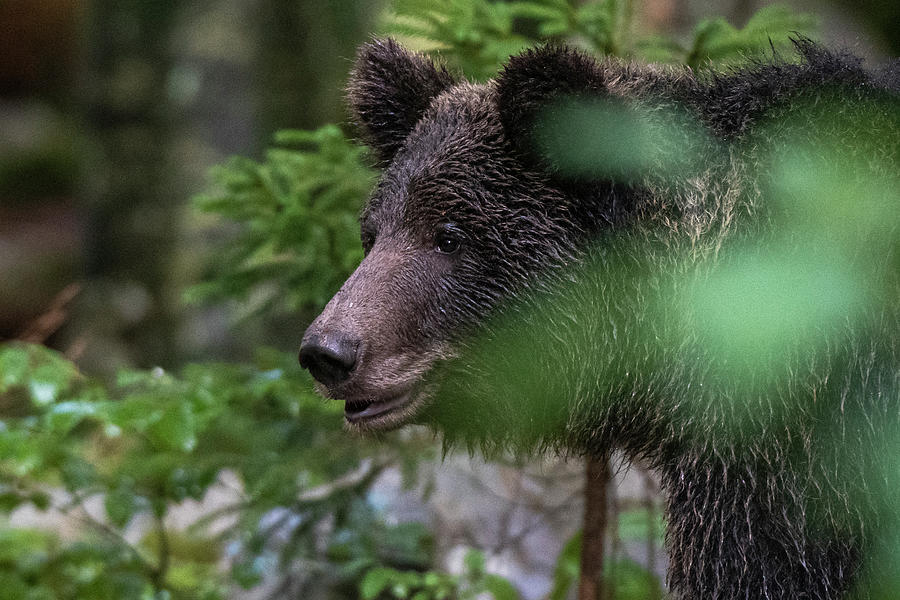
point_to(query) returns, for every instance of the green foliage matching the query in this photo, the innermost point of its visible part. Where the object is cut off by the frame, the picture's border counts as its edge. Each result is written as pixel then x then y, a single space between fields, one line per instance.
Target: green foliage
pixel 477 36
pixel 715 41
pixel 625 579
pixel 642 524
pixel 155 439
pixel 828 264
pixel 391 584
pixel 568 568
pixel 296 237
pixel 629 580
pixel 606 139
pixel 36 566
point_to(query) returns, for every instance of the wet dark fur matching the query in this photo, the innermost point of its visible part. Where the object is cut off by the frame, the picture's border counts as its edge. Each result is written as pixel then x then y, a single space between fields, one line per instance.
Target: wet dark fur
pixel 550 328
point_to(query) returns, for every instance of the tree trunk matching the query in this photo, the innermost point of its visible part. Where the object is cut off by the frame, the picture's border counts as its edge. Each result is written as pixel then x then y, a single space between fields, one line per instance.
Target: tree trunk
pixel 127 309
pixel 592 585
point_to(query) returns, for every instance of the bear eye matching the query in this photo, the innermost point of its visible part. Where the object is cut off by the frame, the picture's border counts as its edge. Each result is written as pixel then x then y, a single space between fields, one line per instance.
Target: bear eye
pixel 447 239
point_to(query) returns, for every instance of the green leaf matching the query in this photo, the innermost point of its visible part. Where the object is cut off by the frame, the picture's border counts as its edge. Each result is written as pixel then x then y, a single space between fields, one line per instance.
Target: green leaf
pixel 40 500
pixel 779 20
pixel 410 544
pixel 10 501
pixel 13 366
pixel 660 49
pixel 121 505
pixel 64 416
pixel 500 588
pixel 77 473
pixel 400 590
pixel 247 573
pixel 175 428
pixel 432 579
pixel 568 568
pixel 632 581
pixel 716 42
pixel 549 29
pixel 353 569
pixel 474 563
pixel 534 10
pixel 376 581
pixel 639 523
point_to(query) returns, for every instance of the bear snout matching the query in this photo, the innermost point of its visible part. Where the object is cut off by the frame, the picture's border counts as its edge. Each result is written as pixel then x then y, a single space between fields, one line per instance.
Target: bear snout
pixel 329 355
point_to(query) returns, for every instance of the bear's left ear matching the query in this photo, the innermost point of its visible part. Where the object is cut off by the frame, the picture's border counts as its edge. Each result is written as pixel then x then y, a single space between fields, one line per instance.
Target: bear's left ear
pixel 389 90
pixel 535 80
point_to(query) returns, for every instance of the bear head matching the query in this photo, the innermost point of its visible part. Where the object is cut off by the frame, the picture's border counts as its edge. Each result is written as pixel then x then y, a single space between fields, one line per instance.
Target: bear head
pixel 465 216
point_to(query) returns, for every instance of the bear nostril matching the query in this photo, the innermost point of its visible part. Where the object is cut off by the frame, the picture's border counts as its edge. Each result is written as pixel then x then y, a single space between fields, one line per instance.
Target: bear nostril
pixel 329 358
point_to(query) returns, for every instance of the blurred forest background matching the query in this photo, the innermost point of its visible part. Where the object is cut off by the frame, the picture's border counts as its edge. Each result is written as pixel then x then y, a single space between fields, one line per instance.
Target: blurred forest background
pixel 157 438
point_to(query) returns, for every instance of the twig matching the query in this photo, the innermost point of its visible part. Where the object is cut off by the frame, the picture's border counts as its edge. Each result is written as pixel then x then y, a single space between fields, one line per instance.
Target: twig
pixel 105 529
pixel 49 322
pixel 158 575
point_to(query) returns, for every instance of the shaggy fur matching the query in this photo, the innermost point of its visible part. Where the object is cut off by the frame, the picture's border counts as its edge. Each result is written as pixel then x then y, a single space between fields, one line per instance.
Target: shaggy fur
pixel 558 315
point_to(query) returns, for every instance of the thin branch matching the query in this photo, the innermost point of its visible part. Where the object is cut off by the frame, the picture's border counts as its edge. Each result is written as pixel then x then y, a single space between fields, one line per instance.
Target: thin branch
pixel 104 528
pixel 49 322
pixel 158 575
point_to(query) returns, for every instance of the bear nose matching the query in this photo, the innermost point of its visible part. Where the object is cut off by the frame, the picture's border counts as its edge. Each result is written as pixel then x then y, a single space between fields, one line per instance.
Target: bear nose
pixel 329 357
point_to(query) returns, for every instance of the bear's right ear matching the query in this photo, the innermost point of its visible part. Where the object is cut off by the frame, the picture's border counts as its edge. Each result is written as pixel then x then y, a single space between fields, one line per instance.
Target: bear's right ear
pixel 535 80
pixel 389 90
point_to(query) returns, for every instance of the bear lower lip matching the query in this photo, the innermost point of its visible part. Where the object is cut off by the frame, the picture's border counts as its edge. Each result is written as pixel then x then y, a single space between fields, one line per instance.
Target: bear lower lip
pixel 357 411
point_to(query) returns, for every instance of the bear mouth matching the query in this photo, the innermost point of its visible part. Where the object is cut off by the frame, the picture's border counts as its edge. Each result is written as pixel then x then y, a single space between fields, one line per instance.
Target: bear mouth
pixel 359 411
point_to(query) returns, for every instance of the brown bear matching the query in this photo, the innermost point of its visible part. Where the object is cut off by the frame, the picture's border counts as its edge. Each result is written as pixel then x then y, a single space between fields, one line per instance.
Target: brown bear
pixel 588 254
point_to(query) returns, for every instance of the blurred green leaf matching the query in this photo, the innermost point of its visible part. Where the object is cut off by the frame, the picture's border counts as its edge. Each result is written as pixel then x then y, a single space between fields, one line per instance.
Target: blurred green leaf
pixel 631 581
pixel 500 588
pixel 568 568
pixel 121 505
pixel 174 429
pixel 757 307
pixel 474 563
pixel 609 139
pixel 638 524
pixel 716 42
pixel 375 581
